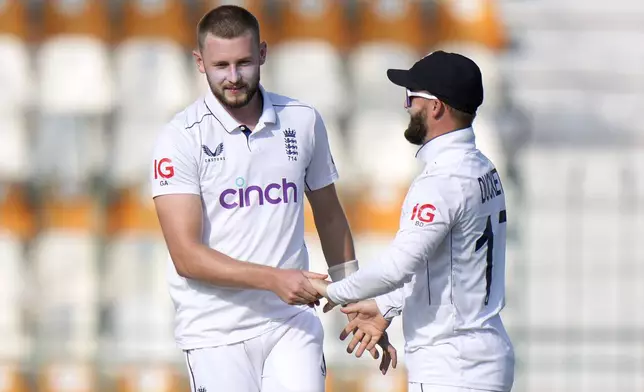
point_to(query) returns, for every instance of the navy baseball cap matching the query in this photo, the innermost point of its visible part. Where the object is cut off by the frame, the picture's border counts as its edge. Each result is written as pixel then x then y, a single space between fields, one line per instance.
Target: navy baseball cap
pixel 451 77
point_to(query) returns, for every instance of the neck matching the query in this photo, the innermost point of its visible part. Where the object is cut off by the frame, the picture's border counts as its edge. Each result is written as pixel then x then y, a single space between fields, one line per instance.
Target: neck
pixel 249 115
pixel 442 128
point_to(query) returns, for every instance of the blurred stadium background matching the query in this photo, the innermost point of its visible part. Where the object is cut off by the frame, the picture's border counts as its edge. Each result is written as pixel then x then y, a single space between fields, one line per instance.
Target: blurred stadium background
pixel 85 85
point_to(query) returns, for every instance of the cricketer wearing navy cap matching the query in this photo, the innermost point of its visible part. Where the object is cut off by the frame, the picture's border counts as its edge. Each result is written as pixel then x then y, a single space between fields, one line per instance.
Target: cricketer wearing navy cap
pixel 444 271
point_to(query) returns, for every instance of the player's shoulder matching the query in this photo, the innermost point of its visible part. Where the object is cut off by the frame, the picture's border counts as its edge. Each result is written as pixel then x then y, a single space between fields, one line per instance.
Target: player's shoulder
pixel 283 101
pixel 186 121
pixel 454 175
pixel 292 110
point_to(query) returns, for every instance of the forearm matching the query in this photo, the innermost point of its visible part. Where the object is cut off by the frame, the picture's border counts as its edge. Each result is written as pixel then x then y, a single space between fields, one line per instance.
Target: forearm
pixel 373 279
pixel 335 238
pixel 202 263
pixel 395 267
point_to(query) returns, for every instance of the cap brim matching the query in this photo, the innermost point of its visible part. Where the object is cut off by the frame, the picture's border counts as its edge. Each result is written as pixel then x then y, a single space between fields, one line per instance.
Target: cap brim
pixel 401 77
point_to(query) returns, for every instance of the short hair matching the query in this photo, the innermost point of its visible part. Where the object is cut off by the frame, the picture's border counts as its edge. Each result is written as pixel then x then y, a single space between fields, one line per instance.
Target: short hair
pixel 227 21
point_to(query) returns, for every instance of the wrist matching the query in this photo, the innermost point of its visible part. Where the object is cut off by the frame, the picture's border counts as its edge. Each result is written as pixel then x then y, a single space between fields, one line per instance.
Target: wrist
pixel 269 280
pixel 340 271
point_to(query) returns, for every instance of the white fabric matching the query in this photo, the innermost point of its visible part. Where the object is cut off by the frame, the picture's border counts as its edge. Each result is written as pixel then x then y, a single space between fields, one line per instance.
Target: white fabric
pixel 252 189
pixel 449 255
pixel 288 359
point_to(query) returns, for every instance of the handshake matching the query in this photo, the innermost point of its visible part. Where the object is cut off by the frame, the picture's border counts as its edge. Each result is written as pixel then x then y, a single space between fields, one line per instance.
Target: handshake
pixel 366 323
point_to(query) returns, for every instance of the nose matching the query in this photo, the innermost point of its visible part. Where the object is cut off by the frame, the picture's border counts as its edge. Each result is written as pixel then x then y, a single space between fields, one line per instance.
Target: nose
pixel 234 74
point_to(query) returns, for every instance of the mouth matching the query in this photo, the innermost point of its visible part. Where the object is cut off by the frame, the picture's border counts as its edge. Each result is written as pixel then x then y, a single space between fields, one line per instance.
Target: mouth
pixel 236 90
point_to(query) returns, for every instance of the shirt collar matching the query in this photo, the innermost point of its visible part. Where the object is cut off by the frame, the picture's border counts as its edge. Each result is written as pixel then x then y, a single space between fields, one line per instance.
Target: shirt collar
pixel 268 116
pixel 457 139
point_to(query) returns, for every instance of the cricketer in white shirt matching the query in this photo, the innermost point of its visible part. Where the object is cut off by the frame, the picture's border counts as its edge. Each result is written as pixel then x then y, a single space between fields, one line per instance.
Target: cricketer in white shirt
pixel 445 270
pixel 252 188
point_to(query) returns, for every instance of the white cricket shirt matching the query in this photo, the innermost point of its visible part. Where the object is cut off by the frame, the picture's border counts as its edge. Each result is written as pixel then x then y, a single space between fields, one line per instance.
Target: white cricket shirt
pixel 252 188
pixel 445 270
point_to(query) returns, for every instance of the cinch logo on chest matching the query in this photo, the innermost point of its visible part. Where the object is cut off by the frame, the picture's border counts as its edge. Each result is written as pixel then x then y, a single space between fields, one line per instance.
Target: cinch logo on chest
pixel 273 193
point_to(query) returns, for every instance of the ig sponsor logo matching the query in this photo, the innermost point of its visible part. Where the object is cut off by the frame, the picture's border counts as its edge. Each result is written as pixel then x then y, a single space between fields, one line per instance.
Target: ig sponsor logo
pixel 423 214
pixel 245 196
pixel 163 170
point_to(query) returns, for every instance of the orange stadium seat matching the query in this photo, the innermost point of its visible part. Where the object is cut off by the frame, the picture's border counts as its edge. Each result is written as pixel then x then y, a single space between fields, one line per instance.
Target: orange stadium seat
pixel 323 20
pixel 152 56
pixel 13 19
pixel 65 251
pixel 474 21
pixel 385 165
pixel 135 287
pixel 14 342
pixel 84 17
pixel 12 379
pixel 75 32
pixel 394 21
pixel 16 226
pixel 157 20
pixel 373 381
pixel 14 73
pixel 390 34
pixel 67 377
pixel 16 214
pixel 16 91
pixel 307 64
pixel 152 378
pixel 133 211
pixel 153 81
pixel 70 136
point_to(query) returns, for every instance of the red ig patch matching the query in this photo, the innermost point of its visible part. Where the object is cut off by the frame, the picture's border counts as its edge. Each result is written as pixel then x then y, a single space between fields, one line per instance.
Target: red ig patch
pixel 423 213
pixel 163 168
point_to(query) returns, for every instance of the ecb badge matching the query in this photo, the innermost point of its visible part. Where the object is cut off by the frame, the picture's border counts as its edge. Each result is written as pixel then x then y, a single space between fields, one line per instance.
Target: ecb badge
pixel 290 144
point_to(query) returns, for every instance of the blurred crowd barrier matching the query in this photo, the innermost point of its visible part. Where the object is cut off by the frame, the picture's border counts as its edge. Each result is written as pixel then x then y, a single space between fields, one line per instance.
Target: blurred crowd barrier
pixel 85 85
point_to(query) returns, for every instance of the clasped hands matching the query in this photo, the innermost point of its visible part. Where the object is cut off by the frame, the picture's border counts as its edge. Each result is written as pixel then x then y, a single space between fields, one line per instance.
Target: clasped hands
pixel 367 325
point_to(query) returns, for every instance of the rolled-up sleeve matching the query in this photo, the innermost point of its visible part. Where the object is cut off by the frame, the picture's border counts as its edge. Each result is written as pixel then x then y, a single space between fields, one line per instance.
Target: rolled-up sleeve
pixel 430 210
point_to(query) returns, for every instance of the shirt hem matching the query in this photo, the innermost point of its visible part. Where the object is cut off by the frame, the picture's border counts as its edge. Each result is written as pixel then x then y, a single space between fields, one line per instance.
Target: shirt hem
pixel 209 343
pixel 176 191
pixel 330 180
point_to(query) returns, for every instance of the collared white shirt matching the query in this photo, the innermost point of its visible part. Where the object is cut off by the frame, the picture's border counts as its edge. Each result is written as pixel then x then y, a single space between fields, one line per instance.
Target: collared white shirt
pixel 252 187
pixel 445 270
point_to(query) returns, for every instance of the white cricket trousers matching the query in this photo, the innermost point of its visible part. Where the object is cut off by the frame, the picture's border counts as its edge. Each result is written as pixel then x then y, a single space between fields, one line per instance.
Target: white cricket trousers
pixel 286 359
pixel 417 387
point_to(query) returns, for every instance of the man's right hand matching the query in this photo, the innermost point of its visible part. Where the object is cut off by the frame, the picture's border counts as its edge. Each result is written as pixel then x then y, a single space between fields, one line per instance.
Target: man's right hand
pixel 293 286
pixel 368 327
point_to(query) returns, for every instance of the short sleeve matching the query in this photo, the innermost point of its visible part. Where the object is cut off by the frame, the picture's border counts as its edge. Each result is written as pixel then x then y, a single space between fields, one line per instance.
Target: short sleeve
pixel 321 171
pixel 175 168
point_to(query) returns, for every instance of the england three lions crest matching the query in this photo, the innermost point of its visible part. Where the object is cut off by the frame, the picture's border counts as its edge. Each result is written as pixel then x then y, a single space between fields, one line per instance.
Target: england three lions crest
pixel 290 144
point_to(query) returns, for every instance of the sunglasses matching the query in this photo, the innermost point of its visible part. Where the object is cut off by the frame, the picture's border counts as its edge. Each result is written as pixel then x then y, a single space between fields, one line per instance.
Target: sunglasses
pixel 410 94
